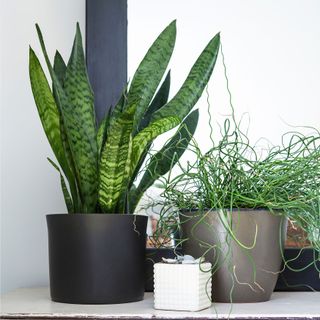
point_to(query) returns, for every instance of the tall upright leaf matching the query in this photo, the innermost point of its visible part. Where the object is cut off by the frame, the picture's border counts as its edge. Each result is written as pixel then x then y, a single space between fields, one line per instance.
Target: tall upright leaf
pixel 81 110
pixel 111 116
pixel 75 101
pixel 115 166
pixel 60 69
pixel 150 72
pixel 49 115
pixel 47 108
pixel 161 162
pixel 115 163
pixel 146 136
pixel 66 194
pixel 159 100
pixel 191 90
pixel 103 129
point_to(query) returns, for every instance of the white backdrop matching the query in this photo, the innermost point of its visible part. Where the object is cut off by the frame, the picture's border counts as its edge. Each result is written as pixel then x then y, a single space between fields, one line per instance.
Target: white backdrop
pixel 29 186
pixel 271 49
pixel 272 53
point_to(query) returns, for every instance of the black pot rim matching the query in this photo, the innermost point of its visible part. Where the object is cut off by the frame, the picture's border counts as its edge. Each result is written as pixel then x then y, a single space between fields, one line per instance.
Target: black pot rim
pixel 95 214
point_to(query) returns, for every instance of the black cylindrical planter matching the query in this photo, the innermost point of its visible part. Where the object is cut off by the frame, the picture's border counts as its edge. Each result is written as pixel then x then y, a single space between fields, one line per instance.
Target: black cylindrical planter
pixel 96 258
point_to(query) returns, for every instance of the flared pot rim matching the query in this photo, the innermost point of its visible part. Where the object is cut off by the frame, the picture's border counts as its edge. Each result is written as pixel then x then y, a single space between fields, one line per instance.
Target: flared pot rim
pixel 94 215
pixel 184 210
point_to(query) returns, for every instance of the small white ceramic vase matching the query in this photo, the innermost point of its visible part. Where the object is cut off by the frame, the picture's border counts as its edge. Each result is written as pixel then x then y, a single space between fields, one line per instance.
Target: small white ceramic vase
pixel 184 287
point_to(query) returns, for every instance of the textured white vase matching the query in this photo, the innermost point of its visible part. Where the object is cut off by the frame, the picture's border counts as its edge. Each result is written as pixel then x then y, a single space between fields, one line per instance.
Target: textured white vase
pixel 185 287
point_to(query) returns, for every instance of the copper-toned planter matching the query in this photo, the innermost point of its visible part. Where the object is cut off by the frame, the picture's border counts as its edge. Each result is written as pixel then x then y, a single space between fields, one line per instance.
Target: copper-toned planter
pixel 240 275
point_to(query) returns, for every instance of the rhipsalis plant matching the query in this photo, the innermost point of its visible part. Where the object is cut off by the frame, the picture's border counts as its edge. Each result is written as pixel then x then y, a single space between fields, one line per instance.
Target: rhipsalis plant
pixel 101 163
pixel 238 174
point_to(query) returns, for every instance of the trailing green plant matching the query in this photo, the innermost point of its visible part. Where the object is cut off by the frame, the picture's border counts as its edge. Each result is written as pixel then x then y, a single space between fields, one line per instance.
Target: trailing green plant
pixel 231 175
pixel 238 174
pixel 235 173
pixel 101 163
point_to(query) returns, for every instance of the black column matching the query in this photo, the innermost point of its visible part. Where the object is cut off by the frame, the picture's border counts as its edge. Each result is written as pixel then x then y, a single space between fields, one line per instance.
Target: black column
pixel 106 51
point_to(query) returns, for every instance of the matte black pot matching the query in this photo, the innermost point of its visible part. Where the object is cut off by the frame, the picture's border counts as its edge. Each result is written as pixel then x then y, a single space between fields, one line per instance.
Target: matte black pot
pixel 307 279
pixel 155 255
pixel 248 275
pixel 96 258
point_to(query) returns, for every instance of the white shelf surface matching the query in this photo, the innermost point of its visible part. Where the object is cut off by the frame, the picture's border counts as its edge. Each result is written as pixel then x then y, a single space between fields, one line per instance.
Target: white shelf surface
pixel 35 303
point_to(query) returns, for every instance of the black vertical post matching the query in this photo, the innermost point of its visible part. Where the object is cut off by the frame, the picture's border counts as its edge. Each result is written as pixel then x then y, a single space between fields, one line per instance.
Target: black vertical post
pixel 106 51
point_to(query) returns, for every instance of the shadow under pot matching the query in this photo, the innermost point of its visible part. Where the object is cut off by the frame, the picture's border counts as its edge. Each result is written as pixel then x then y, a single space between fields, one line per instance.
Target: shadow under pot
pixel 96 258
pixel 246 265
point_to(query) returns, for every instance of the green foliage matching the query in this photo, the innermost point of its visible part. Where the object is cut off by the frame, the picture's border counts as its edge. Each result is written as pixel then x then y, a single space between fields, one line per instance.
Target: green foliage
pixel 101 164
pixel 191 90
pixel 236 174
pixel 66 194
pixel 161 162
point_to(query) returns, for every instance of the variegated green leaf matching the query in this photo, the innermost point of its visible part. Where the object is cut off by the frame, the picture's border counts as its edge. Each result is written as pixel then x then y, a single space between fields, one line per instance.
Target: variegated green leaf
pixel 166 158
pixel 146 136
pixel 159 100
pixel 47 108
pixel 115 163
pixel 150 72
pixel 60 69
pixel 75 101
pixel 49 115
pixel 111 116
pixel 65 191
pixel 191 90
pixel 102 131
pixel 81 124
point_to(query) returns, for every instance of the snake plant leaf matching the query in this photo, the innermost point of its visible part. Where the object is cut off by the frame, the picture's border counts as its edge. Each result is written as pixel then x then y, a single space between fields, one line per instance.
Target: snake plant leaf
pixel 81 124
pixel 191 90
pixel 159 100
pixel 161 162
pixel 66 194
pixel 111 116
pixel 103 129
pixel 75 101
pixel 47 109
pixel 150 72
pixel 146 136
pixel 59 67
pixel 115 162
pixel 50 118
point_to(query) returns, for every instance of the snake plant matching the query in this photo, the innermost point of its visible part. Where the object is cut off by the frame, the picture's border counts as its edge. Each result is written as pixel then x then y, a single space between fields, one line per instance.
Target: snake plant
pixel 101 162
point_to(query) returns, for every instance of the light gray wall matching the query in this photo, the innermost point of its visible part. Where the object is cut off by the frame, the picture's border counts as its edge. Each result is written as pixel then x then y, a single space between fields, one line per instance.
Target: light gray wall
pixel 271 48
pixel 29 186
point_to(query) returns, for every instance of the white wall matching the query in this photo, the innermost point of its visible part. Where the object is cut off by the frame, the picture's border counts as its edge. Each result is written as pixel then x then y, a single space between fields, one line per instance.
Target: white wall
pixel 271 49
pixel 29 186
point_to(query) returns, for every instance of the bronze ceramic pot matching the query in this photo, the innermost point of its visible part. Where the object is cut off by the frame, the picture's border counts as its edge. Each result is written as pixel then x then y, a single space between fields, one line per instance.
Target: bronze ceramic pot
pixel 241 273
